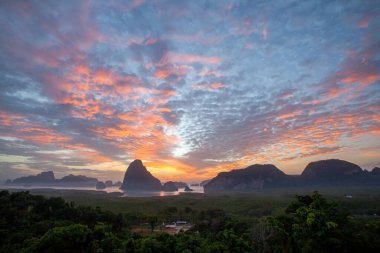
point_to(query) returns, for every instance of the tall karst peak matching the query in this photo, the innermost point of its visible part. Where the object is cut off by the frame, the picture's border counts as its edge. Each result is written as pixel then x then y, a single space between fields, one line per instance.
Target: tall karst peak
pixel 137 177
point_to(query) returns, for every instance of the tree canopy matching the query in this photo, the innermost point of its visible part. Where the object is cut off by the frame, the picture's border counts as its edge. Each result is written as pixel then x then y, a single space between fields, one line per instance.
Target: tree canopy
pixel 311 223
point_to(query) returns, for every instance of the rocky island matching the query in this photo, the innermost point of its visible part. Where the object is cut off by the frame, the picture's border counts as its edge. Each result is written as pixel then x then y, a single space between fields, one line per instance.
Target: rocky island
pixel 138 178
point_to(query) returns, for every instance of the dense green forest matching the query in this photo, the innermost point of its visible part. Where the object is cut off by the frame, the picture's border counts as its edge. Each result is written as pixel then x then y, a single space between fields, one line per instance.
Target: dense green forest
pixel 309 223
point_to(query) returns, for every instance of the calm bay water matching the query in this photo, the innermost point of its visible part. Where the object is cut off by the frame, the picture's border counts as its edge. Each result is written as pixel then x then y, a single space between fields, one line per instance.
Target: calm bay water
pixel 197 189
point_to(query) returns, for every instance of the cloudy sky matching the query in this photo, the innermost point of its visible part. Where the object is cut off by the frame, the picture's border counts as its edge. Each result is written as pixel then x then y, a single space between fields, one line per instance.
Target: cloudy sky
pixel 192 88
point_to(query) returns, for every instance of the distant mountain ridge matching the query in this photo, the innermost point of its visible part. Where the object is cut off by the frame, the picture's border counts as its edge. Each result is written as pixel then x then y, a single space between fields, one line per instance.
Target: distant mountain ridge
pixel 48 178
pixel 253 177
pixel 332 172
pixel 331 169
pixel 43 177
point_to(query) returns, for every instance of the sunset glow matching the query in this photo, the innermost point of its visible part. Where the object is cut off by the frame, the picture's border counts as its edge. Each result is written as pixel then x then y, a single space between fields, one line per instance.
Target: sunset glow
pixel 192 88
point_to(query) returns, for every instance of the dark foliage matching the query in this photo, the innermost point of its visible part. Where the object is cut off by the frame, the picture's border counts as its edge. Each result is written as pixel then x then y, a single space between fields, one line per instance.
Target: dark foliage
pixel 31 223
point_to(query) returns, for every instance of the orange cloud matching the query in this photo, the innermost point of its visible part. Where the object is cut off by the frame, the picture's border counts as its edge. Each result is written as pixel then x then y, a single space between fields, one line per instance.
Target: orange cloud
pixel 22 128
pixel 140 125
pixel 315 137
pixel 94 157
pixel 331 94
pixel 143 132
pixel 104 76
pixel 42 135
pixel 324 132
pixel 176 71
pixel 289 115
pixel 82 87
pixel 375 131
pixel 86 153
pixel 163 109
pixel 362 78
pixel 161 74
pixel 10 119
pixel 335 92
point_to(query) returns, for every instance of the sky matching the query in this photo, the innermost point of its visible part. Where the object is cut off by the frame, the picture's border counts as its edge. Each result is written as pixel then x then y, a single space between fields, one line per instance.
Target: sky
pixel 192 88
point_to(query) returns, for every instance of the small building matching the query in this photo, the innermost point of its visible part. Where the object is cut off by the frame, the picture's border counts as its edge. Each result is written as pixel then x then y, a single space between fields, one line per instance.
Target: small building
pixel 177 226
pixel 180 222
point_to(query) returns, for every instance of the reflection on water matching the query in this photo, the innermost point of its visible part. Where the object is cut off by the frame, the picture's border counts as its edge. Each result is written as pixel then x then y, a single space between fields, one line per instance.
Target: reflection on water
pixel 197 189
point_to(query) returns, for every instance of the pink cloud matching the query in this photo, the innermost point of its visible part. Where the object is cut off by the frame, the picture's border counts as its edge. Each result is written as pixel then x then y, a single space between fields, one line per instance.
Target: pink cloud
pixel 206 72
pixel 136 3
pixel 357 72
pixel 265 33
pixel 82 86
pixel 286 95
pixel 171 57
pixel 289 115
pixel 363 23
